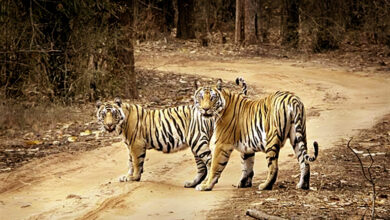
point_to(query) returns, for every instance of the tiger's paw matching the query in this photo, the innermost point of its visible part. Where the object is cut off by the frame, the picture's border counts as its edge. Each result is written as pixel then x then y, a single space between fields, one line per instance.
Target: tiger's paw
pixel 128 178
pixel 265 186
pixel 203 187
pixel 190 184
pixel 125 178
pixel 303 185
pixel 245 182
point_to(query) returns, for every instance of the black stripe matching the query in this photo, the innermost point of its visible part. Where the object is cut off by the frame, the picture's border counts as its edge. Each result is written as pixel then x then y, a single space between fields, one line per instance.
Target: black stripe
pixel 158 140
pixel 225 153
pixel 270 160
pixel 246 156
pixel 177 128
pixel 222 163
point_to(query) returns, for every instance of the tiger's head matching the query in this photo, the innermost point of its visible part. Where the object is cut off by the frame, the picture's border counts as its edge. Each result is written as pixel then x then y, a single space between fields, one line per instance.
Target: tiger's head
pixel 110 115
pixel 209 101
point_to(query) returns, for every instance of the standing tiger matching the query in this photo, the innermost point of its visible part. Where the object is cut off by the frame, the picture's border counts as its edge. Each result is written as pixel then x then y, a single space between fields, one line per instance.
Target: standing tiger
pixel 251 126
pixel 167 130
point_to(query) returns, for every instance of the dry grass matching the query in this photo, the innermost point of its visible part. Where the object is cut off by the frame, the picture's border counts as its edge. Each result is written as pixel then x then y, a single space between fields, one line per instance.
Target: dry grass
pixel 37 117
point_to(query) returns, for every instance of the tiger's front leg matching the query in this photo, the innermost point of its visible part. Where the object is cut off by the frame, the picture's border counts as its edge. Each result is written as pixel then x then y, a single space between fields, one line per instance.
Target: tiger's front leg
pixel 220 158
pixel 129 173
pixel 137 153
pixel 201 175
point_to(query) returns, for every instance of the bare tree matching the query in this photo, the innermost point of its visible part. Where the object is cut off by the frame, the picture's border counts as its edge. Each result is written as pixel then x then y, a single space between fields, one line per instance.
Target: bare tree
pixel 326 38
pixel 185 22
pixel 290 23
pixel 168 15
pixel 124 51
pixel 251 31
pixel 246 29
pixel 264 19
pixel 239 28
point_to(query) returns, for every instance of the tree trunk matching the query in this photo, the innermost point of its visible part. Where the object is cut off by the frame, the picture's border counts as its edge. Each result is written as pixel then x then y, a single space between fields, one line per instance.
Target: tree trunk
pixel 168 15
pixel 239 29
pixel 250 28
pixel 325 37
pixel 290 35
pixel 185 23
pixel 246 22
pixel 264 20
pixel 124 50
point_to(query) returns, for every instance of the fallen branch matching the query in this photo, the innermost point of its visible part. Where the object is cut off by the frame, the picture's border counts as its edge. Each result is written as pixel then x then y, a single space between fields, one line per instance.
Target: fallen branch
pixel 261 215
pixel 368 177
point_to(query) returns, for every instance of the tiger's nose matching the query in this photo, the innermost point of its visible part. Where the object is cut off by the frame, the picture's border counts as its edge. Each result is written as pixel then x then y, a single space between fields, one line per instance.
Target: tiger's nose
pixel 206 109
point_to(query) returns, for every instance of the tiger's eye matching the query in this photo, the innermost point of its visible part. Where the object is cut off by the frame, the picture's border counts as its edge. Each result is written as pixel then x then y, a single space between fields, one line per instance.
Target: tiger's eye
pixel 201 93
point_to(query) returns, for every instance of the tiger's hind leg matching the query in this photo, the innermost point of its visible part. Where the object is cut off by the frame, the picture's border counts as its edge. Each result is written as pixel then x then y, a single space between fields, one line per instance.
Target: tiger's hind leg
pixel 299 143
pixel 247 162
pixel 201 175
pixel 137 153
pixel 272 155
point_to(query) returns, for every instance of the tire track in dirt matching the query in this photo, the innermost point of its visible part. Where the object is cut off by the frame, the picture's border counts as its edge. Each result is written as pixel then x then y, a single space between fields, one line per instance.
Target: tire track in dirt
pixel 107 204
pixel 115 202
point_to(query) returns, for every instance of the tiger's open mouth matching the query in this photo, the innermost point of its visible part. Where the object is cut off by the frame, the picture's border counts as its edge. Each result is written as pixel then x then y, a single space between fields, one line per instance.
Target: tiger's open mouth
pixel 109 129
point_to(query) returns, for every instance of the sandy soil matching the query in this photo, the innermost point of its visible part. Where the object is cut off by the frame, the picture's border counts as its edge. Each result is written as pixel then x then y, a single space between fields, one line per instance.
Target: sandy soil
pixel 85 186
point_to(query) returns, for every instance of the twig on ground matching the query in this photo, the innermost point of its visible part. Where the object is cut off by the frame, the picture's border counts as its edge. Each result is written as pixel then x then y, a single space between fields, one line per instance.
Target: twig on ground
pixel 261 215
pixel 369 178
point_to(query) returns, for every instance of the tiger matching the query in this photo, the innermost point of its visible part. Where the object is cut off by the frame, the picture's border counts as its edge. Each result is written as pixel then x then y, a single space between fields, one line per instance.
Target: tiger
pixel 250 126
pixel 168 130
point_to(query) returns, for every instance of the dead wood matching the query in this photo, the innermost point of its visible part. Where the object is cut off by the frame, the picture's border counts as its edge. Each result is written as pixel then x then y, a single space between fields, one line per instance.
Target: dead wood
pixel 368 177
pixel 261 215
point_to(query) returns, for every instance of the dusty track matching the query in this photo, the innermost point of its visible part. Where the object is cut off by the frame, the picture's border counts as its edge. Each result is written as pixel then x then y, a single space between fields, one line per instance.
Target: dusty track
pixel 85 185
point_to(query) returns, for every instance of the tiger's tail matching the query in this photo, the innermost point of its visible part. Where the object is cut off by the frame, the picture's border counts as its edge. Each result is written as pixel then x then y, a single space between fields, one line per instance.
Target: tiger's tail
pixel 243 84
pixel 298 131
pixel 309 158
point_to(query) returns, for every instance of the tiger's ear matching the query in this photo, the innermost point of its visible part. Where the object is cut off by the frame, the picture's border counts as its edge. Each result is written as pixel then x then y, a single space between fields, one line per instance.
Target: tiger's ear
pixel 98 104
pixel 219 84
pixel 196 84
pixel 118 101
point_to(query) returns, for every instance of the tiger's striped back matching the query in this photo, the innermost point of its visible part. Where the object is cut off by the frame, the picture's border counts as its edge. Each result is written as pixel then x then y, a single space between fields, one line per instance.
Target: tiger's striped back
pixel 255 122
pixel 167 130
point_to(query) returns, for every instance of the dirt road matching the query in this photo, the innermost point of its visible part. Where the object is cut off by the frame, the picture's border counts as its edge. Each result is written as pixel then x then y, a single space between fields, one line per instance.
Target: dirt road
pixel 85 185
